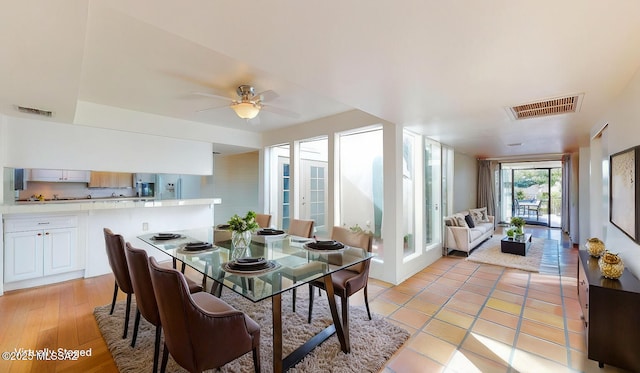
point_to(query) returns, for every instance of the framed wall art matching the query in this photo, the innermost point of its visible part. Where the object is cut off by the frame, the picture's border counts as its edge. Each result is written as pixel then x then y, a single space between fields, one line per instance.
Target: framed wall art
pixel 624 192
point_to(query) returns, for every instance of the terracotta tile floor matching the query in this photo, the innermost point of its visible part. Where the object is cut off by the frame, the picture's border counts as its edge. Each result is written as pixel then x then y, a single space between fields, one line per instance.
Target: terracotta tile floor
pixel 469 317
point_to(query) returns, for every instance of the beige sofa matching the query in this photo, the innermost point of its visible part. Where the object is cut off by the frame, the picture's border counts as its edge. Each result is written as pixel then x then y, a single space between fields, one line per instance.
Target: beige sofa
pixel 459 236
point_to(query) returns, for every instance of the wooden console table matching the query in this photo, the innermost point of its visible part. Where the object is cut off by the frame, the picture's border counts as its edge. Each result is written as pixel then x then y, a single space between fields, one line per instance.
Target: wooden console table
pixel 610 309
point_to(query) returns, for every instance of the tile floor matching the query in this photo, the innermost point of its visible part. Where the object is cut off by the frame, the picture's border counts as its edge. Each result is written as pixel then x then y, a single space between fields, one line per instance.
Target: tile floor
pixel 470 317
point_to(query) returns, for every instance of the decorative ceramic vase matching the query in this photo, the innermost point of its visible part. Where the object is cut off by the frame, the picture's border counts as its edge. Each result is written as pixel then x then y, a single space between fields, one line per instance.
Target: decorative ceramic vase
pixel 240 242
pixel 595 247
pixel 611 265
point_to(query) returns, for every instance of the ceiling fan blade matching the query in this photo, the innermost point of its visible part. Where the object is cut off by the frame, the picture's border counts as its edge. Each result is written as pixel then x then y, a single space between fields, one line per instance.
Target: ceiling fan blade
pixel 281 111
pixel 266 96
pixel 211 108
pixel 212 96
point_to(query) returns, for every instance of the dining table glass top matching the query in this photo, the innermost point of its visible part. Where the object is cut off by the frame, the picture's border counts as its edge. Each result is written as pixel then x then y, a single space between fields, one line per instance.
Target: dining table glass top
pixel 290 262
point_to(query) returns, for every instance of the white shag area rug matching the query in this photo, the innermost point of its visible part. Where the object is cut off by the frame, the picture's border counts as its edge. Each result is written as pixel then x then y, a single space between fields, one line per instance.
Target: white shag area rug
pixel 489 253
pixel 373 342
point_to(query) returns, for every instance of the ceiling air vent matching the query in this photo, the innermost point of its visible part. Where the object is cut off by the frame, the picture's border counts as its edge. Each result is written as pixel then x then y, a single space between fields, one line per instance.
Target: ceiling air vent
pixel 30 110
pixel 554 106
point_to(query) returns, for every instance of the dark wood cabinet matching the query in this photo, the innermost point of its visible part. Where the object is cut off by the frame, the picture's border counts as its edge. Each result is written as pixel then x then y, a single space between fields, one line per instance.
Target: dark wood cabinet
pixel 611 310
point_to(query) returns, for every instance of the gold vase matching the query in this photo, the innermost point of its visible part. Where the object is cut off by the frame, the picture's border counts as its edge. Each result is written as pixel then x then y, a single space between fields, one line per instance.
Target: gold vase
pixel 595 247
pixel 611 265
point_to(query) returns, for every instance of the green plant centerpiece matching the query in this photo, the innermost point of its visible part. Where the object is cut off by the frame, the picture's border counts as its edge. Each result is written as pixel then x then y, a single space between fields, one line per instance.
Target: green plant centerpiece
pixel 518 227
pixel 241 229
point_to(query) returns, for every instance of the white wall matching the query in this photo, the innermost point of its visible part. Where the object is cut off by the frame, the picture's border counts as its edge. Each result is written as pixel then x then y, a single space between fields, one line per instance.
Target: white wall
pixel 39 144
pixel 621 133
pixel 584 191
pixel 465 182
pixel 236 181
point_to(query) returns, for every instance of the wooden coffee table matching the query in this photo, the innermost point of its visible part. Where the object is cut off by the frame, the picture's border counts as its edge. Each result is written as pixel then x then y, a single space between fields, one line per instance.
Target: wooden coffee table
pixel 518 247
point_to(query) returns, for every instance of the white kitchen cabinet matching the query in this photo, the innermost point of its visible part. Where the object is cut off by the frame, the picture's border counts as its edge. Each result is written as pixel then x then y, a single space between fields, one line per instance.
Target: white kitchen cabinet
pixel 39 247
pixel 69 176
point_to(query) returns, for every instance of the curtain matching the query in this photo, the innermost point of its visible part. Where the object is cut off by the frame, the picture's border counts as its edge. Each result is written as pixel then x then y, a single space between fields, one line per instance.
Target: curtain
pixel 486 187
pixel 566 184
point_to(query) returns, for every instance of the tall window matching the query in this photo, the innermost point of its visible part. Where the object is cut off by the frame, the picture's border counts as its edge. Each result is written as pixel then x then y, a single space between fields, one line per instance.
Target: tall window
pixel 432 193
pixel 361 183
pixel 410 179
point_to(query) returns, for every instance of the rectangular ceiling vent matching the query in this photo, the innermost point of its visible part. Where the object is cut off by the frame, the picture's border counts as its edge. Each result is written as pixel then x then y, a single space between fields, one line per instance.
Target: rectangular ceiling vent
pixel 30 110
pixel 555 106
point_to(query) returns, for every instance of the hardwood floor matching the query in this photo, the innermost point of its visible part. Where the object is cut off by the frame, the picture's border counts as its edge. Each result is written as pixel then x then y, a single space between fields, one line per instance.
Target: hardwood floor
pixel 56 316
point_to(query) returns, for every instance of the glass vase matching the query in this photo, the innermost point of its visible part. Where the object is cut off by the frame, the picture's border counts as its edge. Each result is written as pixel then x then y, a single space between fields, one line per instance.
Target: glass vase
pixel 240 242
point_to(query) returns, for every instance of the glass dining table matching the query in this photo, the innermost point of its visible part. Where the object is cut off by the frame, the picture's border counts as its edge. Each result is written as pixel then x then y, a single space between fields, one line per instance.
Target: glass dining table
pixel 291 264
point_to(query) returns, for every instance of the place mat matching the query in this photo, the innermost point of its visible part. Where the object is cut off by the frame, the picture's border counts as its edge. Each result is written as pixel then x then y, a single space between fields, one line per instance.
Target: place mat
pixel 269 232
pixel 324 246
pixel 248 269
pixel 166 236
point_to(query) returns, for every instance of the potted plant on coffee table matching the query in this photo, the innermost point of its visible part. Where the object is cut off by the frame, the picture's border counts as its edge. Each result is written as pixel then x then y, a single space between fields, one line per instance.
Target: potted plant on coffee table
pixel 518 224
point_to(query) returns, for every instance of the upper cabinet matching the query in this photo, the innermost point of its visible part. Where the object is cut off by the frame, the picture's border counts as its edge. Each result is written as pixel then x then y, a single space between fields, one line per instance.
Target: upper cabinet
pixel 69 176
pixel 101 179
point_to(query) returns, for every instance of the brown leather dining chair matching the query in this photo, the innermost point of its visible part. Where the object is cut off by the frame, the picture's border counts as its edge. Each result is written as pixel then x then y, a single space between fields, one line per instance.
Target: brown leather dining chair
pixel 348 281
pixel 201 331
pixel 138 264
pixel 114 244
pixel 263 220
pixel 301 228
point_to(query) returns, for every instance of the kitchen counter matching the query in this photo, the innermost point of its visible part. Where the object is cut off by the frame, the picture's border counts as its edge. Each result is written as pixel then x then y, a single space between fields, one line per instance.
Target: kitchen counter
pixel 85 204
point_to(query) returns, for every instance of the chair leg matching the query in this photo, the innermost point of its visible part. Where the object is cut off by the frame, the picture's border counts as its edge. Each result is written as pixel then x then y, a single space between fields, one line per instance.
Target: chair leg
pixel 126 316
pixel 310 303
pixel 156 349
pixel 345 321
pixel 135 328
pixel 256 359
pixel 366 300
pixel 165 359
pixel 115 295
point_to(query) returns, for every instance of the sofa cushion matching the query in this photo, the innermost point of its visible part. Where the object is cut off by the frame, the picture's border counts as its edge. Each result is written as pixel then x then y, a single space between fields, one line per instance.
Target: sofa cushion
pixel 469 221
pixel 484 227
pixel 449 222
pixel 479 215
pixel 475 233
pixel 460 221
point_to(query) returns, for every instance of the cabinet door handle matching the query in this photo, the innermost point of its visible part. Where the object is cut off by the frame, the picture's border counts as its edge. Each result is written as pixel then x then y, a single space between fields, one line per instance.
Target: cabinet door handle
pixel 46 233
pixel 39 234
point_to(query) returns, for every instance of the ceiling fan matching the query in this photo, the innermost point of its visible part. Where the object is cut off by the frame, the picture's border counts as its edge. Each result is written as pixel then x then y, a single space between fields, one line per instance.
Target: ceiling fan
pixel 249 103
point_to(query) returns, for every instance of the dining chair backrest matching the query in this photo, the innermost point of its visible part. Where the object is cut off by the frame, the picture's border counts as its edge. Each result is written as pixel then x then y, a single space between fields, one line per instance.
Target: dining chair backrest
pixel 138 262
pixel 355 239
pixel 114 244
pixel 263 220
pixel 301 228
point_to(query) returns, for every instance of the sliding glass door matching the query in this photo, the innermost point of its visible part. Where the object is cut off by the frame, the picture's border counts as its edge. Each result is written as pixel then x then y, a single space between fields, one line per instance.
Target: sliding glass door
pixel 532 191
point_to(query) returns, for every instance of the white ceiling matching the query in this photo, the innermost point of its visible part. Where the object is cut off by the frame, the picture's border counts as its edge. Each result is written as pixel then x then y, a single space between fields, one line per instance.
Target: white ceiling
pixel 446 69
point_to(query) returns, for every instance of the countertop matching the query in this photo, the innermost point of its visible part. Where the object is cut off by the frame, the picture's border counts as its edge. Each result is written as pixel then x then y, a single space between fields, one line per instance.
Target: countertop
pixel 85 204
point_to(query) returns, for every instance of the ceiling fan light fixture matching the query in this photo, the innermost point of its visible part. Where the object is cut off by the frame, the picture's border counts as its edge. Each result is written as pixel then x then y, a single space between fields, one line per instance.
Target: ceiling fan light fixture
pixel 246 110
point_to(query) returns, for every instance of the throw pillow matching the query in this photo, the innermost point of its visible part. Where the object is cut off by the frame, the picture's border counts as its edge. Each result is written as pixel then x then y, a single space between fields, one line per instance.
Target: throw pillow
pixel 479 215
pixel 461 222
pixel 469 221
pixel 449 222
